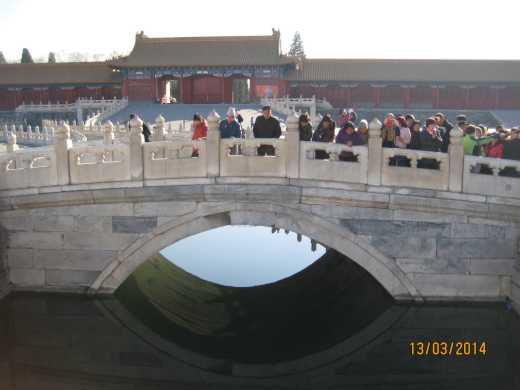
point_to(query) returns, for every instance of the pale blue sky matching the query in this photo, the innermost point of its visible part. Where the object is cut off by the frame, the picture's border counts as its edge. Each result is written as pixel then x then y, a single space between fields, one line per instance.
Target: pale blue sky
pixel 243 256
pixel 362 28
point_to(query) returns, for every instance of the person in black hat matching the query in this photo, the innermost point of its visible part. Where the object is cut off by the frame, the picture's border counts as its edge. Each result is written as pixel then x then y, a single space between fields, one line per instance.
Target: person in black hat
pixel 410 119
pixel 462 121
pixel 444 124
pixel 266 126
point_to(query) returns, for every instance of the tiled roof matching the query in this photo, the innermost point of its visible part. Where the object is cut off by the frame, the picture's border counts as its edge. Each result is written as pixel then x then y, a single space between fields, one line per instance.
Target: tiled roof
pixel 498 71
pixel 205 51
pixel 58 73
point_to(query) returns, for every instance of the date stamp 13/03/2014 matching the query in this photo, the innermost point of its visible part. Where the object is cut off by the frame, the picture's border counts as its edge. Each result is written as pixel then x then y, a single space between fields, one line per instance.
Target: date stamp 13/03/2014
pixel 447 348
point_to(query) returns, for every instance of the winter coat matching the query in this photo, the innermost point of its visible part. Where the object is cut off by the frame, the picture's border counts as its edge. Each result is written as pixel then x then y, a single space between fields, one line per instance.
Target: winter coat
pixel 446 136
pixel 404 138
pixel 229 130
pixel 512 149
pixel 415 140
pixel 344 138
pixel 388 135
pixel 267 128
pixel 495 151
pixel 429 142
pixel 323 135
pixel 146 132
pixel 201 131
pixel 305 132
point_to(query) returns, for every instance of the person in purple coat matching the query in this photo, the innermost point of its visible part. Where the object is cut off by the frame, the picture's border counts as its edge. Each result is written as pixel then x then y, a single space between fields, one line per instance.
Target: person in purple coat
pixel 350 137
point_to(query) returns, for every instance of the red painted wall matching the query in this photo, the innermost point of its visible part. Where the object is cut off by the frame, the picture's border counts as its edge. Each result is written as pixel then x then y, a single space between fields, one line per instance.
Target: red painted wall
pixel 141 89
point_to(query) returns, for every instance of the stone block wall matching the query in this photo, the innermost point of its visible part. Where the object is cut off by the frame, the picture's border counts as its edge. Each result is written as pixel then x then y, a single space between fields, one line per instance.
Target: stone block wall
pixel 461 248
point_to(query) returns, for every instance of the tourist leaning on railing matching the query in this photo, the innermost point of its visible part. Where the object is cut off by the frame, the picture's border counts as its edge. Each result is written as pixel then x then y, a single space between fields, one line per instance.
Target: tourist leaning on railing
pixel 446 127
pixel 324 133
pixel 512 146
pixel 415 135
pixel 200 131
pixel 267 126
pixel 389 131
pixel 363 130
pixel 350 137
pixel 431 141
pixel 495 148
pixel 305 127
pixel 229 127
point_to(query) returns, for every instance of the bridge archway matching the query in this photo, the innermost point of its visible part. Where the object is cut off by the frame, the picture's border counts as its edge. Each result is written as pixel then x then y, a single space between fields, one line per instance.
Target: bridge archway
pixel 381 267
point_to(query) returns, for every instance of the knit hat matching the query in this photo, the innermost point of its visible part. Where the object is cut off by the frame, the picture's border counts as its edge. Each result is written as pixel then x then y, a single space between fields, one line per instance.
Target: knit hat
pixel 349 124
pixel 363 124
pixel 231 112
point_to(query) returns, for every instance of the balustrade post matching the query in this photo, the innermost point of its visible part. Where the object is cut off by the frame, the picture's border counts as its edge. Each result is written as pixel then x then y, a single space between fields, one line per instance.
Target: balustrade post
pixel 456 157
pixel 213 145
pixel 108 135
pixel 11 143
pixel 159 133
pixel 375 152
pixel 292 139
pixel 136 149
pixel 62 144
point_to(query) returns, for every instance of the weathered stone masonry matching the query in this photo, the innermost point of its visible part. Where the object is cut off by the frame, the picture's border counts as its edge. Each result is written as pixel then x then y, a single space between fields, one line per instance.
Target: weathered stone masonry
pixel 419 244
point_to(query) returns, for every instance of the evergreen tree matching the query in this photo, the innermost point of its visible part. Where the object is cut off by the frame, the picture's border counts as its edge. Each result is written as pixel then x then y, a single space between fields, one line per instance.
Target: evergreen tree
pixel 26 57
pixel 296 49
pixel 52 58
pixel 2 58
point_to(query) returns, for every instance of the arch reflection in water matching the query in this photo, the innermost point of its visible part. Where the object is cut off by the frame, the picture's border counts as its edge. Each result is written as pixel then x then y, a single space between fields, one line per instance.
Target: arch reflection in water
pixel 316 308
pixel 244 256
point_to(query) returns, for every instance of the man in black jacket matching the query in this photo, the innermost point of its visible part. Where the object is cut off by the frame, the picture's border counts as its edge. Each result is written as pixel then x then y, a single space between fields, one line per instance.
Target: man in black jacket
pixel 443 122
pixel 267 126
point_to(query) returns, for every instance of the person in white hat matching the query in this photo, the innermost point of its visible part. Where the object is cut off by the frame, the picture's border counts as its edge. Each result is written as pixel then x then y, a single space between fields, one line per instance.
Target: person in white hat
pixel 229 127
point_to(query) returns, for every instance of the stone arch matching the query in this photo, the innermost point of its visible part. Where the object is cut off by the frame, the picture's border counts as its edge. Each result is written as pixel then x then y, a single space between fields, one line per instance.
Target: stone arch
pixel 384 269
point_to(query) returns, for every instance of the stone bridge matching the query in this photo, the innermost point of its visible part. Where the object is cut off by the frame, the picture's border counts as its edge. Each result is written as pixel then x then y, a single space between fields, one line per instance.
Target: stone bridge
pixel 84 218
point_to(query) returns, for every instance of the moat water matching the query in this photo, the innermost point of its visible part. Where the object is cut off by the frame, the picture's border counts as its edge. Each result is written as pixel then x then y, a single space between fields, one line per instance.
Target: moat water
pixel 210 313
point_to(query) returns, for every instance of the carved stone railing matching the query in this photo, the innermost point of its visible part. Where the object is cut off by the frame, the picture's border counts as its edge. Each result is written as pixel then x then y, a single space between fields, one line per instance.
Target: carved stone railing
pixel 30 136
pixel 491 176
pixel 25 168
pixel 415 168
pixel 240 157
pixel 334 169
pixel 164 159
pixel 93 164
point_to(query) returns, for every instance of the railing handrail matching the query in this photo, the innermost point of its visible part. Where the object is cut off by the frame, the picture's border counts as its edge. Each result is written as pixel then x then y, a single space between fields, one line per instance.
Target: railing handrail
pixel 294 159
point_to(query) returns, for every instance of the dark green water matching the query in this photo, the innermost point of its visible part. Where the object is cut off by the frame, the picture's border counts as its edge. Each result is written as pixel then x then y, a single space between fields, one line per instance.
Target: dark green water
pixel 329 326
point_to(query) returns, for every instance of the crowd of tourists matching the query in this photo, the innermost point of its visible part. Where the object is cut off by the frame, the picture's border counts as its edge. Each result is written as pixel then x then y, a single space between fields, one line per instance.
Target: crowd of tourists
pixel 401 131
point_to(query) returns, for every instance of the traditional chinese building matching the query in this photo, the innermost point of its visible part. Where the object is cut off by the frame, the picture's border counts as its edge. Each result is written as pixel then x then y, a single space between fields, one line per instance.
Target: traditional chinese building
pixel 245 68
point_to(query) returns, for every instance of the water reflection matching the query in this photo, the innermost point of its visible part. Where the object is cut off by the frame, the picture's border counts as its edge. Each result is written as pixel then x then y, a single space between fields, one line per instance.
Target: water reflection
pixel 69 342
pixel 243 256
pixel 330 325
